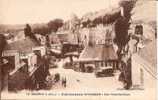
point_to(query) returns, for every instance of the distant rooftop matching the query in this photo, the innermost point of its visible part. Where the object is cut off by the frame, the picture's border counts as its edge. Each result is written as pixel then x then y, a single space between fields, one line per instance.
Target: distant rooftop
pixel 23 46
pixel 98 52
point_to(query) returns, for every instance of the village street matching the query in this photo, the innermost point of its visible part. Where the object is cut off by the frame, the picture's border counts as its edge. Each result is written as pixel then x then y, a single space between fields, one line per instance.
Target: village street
pixel 88 83
pixel 84 81
pixel 79 81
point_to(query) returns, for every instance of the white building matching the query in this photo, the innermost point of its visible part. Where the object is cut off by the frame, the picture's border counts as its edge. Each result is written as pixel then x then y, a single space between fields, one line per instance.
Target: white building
pixel 30 59
pixel 41 49
pixel 13 56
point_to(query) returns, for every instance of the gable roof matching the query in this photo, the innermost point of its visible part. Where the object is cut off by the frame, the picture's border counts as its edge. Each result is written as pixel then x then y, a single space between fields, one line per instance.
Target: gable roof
pixel 98 52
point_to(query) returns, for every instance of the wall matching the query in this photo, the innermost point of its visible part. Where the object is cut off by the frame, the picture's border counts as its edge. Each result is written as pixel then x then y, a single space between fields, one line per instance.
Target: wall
pixel 142 75
pixel 42 50
pixel 13 53
pixel 97 34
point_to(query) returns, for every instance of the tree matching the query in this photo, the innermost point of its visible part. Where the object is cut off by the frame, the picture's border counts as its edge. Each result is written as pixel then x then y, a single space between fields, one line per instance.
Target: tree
pixel 55 24
pixel 3 43
pixel 121 31
pixel 122 38
pixel 43 30
pixel 122 25
pixel 27 30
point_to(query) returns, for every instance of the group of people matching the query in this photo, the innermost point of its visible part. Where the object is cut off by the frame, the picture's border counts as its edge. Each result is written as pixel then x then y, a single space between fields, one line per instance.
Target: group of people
pixel 138 37
pixel 57 79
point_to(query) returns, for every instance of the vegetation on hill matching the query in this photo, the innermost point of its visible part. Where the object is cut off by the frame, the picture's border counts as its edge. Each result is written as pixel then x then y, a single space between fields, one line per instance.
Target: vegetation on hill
pixel 51 26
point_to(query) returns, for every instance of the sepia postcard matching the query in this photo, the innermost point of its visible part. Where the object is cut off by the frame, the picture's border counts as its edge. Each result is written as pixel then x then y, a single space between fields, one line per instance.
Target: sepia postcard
pixel 78 49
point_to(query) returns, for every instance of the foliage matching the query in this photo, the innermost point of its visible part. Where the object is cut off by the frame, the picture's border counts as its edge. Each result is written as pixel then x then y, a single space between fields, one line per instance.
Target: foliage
pixel 41 30
pixel 28 32
pixel 55 24
pixel 3 42
pixel 51 26
pixel 123 23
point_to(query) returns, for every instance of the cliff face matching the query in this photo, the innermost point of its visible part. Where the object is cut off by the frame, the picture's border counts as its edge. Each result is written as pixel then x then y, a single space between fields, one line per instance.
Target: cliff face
pixel 145 13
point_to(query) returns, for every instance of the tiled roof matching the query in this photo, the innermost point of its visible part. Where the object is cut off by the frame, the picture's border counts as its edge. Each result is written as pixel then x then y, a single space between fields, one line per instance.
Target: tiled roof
pixel 98 52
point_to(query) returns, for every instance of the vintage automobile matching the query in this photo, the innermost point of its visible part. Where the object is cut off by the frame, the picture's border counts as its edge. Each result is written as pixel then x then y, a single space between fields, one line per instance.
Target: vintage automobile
pixel 104 72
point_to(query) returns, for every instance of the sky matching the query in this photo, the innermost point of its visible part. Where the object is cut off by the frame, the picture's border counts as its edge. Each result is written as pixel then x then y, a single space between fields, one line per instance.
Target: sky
pixel 40 11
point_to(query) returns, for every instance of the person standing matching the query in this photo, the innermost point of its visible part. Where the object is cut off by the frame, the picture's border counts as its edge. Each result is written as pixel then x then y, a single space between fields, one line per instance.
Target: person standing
pixel 65 82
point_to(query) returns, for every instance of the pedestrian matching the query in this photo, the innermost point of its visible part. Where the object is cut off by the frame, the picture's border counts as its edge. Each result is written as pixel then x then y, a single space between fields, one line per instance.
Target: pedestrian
pixel 65 82
pixel 57 77
pixel 122 74
pixel 62 81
